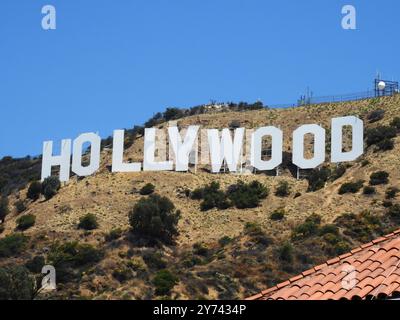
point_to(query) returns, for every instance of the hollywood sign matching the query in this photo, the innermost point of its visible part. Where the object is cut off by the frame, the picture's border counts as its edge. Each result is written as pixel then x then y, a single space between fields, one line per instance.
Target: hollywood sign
pixel 219 148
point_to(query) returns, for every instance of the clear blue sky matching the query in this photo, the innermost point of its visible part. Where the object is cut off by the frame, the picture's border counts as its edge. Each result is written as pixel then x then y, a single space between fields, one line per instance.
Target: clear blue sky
pixel 112 64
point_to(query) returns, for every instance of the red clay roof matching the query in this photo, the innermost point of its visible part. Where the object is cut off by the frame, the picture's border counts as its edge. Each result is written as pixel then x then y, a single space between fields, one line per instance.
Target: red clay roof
pixel 368 272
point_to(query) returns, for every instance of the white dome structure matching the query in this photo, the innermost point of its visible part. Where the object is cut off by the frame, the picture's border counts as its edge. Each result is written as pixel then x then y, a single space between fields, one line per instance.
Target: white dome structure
pixel 381 85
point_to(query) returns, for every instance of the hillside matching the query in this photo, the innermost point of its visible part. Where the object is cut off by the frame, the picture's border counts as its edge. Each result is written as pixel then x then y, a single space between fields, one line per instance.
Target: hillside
pixel 229 253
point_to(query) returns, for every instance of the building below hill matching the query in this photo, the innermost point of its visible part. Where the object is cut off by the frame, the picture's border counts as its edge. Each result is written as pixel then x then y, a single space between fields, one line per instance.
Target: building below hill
pixel 371 271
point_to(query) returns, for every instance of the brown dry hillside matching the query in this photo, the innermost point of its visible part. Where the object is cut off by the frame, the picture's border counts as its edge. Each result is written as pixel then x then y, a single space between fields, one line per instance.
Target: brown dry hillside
pixel 236 269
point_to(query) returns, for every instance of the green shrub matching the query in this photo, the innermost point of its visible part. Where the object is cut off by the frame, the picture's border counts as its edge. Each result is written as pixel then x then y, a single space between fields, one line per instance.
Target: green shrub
pixel 20 206
pixel 155 218
pixel 164 281
pixel 114 234
pixel 364 163
pixel 247 195
pixel 363 227
pixel 36 264
pixel 122 274
pixel 378 134
pixel 154 260
pixel 396 123
pixel 25 222
pixel 34 190
pixel 147 189
pixel 379 177
pixel 12 245
pixel 4 210
pixel 88 222
pixel 200 249
pixel 387 203
pixel 385 145
pixel 308 228
pixel 277 214
pixel 225 240
pixel 257 234
pixel 392 192
pixel 283 189
pixel 375 116
pixel 70 258
pixel 16 283
pixel 369 190
pixel 394 213
pixel 50 187
pixel 285 252
pixel 351 187
pixel 212 197
pixel 328 229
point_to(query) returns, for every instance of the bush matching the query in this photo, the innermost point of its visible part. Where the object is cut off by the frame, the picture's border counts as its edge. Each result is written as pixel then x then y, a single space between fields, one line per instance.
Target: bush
pixel 375 116
pixel 164 281
pixel 225 240
pixel 257 234
pixel 277 215
pixel 4 210
pixel 285 252
pixel 155 218
pixel 114 234
pixel 147 189
pixel 25 222
pixel 394 213
pixel 385 145
pixel 12 245
pixel 392 192
pixel 88 222
pixel 363 227
pixel 379 177
pixel 34 190
pixel 369 190
pixel 50 187
pixel 70 257
pixel 122 274
pixel 396 123
pixel 36 264
pixel 247 195
pixel 20 206
pixel 378 134
pixel 308 228
pixel 154 260
pixel 351 187
pixel 212 197
pixel 16 283
pixel 283 189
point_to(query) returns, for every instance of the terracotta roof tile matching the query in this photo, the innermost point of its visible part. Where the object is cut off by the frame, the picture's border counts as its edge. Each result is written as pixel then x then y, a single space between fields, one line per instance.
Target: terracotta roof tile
pixel 376 274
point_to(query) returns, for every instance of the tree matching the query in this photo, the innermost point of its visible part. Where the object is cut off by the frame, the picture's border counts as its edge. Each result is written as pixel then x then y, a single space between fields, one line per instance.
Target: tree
pixel 88 222
pixel 16 283
pixel 34 190
pixel 147 189
pixel 155 218
pixel 164 281
pixel 50 187
pixel 4 210
pixel 26 221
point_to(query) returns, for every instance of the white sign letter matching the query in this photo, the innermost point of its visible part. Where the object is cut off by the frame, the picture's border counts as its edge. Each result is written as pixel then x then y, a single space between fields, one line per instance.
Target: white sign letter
pixel 357 144
pixel 63 160
pixel 224 148
pixel 298 146
pixel 118 164
pixel 95 142
pixel 183 149
pixel 149 163
pixel 256 148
